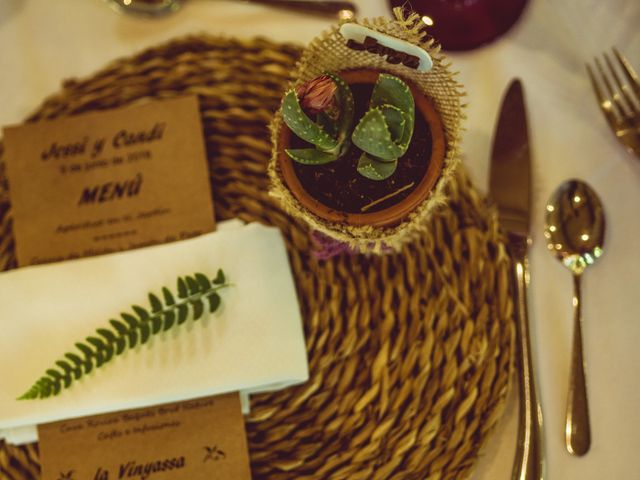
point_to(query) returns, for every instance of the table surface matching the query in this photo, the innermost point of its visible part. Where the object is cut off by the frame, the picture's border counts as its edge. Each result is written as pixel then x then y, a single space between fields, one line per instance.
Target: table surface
pixel 43 42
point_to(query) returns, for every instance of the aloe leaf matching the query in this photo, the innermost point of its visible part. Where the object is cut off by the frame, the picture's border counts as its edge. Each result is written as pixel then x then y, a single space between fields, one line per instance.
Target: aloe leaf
pixel 303 126
pixel 345 100
pixel 310 156
pixel 391 90
pixel 375 170
pixel 372 135
pixel 395 120
pixel 328 124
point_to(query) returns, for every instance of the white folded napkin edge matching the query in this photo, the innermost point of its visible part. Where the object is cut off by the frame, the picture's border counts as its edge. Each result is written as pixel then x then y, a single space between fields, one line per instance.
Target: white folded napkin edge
pixel 23 433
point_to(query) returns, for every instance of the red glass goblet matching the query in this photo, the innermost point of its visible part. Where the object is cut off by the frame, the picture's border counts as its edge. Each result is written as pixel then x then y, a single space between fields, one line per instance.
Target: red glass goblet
pixel 465 24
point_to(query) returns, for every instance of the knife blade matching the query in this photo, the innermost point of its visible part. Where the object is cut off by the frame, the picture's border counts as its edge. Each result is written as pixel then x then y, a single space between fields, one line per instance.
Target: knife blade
pixel 510 189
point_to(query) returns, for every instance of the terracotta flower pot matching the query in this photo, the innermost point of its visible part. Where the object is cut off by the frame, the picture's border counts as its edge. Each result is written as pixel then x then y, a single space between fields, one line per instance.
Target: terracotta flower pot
pixel 390 215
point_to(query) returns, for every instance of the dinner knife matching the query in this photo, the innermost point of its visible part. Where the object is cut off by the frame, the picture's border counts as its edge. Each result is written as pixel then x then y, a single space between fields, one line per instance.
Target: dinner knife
pixel 510 190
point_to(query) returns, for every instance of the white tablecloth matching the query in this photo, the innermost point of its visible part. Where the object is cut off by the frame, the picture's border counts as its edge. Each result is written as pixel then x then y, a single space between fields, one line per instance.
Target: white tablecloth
pixel 43 42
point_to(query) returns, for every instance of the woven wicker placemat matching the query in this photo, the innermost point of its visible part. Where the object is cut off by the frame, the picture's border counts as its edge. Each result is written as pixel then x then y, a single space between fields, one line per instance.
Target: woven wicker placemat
pixel 410 354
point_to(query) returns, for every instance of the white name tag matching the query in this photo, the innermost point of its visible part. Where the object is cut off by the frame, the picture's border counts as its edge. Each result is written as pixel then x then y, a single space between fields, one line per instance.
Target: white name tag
pixel 358 33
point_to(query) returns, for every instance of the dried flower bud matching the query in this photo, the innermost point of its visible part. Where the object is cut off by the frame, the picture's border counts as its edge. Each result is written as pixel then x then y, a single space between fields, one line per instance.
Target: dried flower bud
pixel 317 95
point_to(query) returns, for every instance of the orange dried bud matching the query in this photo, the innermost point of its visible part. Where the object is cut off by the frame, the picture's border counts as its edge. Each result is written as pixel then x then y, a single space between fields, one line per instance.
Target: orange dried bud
pixel 317 95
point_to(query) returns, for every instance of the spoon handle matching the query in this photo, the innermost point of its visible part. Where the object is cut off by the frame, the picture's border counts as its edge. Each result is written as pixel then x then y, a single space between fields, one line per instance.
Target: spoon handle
pixel 329 7
pixel 528 464
pixel 577 430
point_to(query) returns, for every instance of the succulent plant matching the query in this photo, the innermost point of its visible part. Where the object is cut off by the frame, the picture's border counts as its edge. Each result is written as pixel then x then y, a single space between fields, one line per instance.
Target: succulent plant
pixel 330 100
pixel 383 133
pixel 385 130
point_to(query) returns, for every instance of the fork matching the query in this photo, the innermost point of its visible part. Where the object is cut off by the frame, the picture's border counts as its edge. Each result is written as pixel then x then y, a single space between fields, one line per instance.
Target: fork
pixel 619 102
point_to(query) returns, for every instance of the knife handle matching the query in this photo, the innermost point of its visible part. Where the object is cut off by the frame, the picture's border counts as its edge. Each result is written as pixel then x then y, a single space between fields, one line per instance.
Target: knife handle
pixel 329 7
pixel 528 460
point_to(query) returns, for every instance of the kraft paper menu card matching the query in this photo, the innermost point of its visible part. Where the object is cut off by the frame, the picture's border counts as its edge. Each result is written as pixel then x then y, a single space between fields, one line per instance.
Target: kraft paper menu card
pixel 108 181
pixel 200 439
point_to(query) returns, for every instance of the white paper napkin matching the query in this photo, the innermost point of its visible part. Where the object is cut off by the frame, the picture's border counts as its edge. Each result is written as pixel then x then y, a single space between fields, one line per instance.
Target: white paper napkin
pixel 254 343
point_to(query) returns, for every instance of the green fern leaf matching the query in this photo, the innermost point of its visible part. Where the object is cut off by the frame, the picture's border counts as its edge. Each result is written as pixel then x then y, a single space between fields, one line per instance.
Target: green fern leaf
pixel 169 319
pixel 145 333
pixel 121 344
pixel 156 304
pixel 55 374
pixel 120 327
pixel 64 366
pixel 220 278
pixel 203 280
pixel 142 313
pixel 96 342
pixel 214 302
pixel 108 335
pixel 130 330
pixel 168 296
pixel 156 324
pixel 133 338
pixel 131 320
pixel 182 288
pixel 192 285
pixel 108 352
pixel 198 309
pixel 183 313
pixel 88 353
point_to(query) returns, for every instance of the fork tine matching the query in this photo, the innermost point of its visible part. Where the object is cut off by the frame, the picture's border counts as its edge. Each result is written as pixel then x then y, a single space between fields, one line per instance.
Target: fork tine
pixel 629 72
pixel 613 95
pixel 604 103
pixel 630 102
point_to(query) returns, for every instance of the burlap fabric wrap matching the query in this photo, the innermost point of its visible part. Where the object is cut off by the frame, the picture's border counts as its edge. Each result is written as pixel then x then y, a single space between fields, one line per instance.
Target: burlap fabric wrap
pixel 410 353
pixel 329 53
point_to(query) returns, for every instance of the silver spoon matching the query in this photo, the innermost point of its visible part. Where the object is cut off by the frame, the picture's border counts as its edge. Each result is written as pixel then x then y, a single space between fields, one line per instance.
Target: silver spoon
pixel 162 7
pixel 575 235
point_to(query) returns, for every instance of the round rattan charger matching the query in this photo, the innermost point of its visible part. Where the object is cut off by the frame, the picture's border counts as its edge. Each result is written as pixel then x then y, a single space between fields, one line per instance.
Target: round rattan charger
pixel 410 354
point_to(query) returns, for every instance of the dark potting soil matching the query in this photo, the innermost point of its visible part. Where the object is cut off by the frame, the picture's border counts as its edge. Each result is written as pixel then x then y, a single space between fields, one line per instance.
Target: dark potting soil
pixel 339 186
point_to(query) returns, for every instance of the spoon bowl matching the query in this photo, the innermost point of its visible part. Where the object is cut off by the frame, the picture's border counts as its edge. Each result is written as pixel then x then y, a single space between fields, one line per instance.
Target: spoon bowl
pixel 574 226
pixel 574 229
